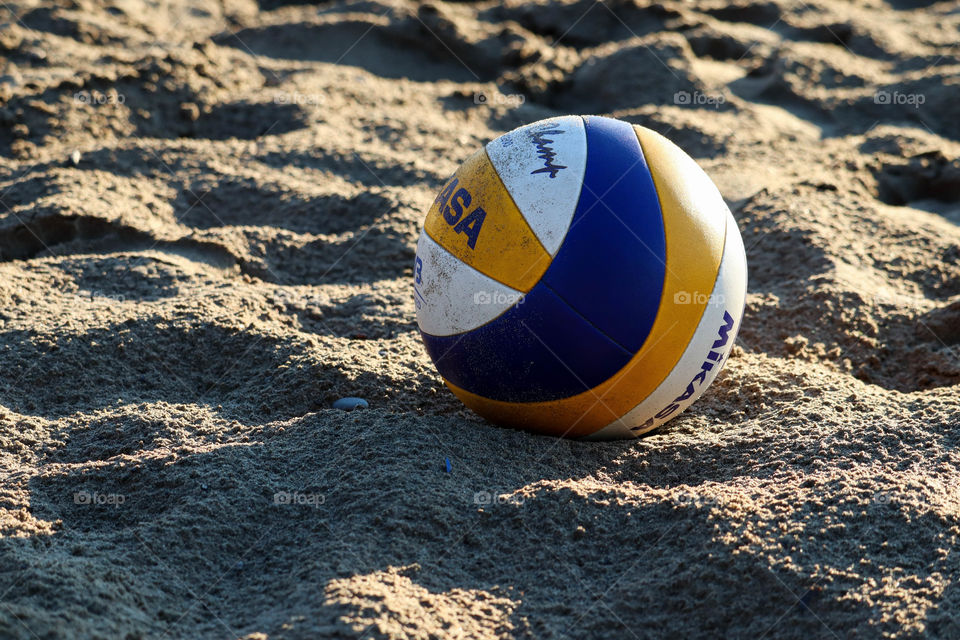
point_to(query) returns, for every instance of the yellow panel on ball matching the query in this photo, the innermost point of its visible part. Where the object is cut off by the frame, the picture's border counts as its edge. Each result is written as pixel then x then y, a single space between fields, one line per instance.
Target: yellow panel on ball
pixel 476 220
pixel 695 219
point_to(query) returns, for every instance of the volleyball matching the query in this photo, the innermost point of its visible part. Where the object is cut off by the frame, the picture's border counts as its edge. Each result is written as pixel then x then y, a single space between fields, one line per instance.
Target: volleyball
pixel 579 276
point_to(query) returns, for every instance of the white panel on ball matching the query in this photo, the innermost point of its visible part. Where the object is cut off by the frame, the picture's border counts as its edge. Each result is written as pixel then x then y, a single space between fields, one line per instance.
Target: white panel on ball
pixel 690 377
pixel 542 166
pixel 452 297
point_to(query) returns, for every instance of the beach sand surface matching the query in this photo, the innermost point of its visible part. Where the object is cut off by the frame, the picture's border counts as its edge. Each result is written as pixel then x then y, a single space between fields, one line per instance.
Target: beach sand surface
pixel 208 223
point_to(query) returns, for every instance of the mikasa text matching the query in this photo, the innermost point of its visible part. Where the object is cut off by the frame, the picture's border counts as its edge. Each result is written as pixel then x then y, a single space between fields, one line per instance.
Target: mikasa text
pixel 452 206
pixel 713 359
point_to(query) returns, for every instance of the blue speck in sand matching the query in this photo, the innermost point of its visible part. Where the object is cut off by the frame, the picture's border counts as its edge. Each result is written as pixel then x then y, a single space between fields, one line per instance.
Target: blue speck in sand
pixel 349 404
pixel 447 460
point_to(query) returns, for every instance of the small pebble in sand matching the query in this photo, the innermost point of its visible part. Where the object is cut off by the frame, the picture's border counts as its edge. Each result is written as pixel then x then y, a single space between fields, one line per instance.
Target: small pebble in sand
pixel 349 404
pixel 189 111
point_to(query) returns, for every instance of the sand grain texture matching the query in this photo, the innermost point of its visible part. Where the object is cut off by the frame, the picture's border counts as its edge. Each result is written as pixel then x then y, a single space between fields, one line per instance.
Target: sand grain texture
pixel 209 215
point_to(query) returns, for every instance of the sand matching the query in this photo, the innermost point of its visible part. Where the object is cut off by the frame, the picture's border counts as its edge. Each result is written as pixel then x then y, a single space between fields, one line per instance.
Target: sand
pixel 208 222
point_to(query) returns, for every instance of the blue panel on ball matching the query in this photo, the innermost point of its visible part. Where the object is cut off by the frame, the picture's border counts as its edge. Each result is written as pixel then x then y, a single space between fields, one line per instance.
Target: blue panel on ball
pixel 612 263
pixel 539 349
